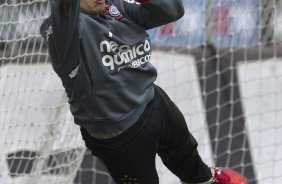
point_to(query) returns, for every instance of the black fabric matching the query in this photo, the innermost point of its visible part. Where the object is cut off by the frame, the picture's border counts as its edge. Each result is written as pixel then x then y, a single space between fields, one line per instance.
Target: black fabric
pixel 161 129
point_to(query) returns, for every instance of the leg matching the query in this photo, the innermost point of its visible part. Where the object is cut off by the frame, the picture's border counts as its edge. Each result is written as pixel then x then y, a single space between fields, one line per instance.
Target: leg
pixel 131 163
pixel 130 156
pixel 177 147
pixel 178 150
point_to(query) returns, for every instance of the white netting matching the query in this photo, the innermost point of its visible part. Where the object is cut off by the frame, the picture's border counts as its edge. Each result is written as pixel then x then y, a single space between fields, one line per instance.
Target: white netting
pixel 221 64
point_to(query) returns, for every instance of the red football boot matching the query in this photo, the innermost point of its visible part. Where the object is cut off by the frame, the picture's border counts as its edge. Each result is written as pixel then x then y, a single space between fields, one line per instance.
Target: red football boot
pixel 227 176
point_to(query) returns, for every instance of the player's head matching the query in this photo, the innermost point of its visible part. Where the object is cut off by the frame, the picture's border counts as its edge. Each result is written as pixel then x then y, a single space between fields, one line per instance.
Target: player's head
pixel 92 7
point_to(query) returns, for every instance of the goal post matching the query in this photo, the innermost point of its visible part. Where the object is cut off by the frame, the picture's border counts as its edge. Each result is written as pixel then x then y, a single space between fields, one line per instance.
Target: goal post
pixel 221 64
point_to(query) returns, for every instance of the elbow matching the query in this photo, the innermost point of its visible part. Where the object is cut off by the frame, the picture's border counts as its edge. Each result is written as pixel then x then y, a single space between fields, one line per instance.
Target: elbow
pixel 179 11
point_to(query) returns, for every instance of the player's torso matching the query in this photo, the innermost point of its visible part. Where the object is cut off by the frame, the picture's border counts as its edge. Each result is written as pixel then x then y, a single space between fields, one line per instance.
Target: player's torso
pixel 114 38
pixel 115 75
pixel 113 47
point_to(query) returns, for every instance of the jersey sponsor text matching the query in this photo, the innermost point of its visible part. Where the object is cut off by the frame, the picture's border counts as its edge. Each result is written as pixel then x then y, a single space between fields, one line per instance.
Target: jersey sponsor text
pixel 125 56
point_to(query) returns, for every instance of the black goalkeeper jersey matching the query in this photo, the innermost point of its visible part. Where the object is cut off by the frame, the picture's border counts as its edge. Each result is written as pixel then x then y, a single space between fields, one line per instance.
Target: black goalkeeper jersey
pixel 104 60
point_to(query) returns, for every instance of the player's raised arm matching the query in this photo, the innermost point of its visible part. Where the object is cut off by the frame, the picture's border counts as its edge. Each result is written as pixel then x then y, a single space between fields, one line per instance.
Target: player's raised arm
pixel 60 30
pixel 154 13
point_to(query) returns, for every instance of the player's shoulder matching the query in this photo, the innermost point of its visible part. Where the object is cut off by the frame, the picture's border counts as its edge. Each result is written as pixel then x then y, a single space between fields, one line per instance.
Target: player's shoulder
pixel 122 5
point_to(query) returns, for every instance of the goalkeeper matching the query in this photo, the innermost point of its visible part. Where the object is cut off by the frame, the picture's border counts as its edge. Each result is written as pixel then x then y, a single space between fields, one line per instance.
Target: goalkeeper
pixel 101 52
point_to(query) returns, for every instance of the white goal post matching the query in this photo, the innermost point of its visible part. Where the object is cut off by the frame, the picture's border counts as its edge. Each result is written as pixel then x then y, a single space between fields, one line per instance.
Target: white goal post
pixel 221 64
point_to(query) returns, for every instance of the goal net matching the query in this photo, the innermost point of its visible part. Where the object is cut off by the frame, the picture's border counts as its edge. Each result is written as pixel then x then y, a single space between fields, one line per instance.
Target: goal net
pixel 221 64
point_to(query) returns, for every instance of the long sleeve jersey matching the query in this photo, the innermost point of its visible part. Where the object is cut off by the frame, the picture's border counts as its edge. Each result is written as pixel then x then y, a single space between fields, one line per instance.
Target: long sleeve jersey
pixel 104 60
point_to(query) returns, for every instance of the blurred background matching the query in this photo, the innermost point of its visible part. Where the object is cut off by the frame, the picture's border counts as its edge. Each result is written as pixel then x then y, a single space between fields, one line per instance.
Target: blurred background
pixel 222 23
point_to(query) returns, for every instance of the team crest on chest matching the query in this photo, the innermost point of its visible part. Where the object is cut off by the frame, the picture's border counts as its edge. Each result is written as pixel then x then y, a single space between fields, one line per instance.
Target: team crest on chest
pixel 113 11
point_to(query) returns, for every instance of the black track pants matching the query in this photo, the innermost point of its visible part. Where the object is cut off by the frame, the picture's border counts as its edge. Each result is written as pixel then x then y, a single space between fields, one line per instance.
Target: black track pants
pixel 130 156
